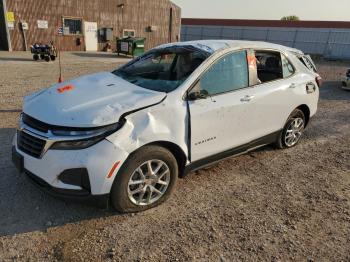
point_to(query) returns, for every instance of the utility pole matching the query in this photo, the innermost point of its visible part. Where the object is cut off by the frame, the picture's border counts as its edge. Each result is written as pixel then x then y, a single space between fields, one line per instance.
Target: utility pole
pixel 4 9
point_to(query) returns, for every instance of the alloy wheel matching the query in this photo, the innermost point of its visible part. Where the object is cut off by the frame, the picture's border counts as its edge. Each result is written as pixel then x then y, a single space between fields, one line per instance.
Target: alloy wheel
pixel 149 182
pixel 294 132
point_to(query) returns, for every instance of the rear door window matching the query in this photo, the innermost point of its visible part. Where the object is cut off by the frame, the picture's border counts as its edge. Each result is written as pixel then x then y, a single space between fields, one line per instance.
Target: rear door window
pixel 272 65
pixel 269 66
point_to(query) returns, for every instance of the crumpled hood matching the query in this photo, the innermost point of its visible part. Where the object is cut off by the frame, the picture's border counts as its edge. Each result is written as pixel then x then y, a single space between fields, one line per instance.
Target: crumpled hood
pixel 89 101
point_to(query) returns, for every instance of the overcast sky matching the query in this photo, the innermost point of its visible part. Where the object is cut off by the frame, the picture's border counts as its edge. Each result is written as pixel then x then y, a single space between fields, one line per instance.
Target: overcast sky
pixel 333 10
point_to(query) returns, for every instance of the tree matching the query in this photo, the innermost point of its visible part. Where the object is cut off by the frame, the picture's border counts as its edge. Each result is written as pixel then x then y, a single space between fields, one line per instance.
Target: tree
pixel 290 18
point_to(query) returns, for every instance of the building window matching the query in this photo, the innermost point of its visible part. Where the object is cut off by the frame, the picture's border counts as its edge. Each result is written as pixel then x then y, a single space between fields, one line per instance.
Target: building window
pixel 128 33
pixel 72 26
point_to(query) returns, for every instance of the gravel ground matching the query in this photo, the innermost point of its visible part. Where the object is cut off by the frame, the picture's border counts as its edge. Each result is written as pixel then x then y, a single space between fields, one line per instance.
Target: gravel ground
pixel 271 205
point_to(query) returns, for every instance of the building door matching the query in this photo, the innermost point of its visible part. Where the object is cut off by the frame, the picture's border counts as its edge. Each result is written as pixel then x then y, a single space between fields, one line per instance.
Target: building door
pixel 90 33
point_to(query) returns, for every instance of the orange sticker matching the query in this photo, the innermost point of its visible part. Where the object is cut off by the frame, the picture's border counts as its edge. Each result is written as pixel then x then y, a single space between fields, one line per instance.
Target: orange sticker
pixel 114 167
pixel 65 89
pixel 251 60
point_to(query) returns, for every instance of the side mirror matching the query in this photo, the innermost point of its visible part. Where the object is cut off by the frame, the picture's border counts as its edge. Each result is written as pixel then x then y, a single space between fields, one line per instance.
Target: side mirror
pixel 195 95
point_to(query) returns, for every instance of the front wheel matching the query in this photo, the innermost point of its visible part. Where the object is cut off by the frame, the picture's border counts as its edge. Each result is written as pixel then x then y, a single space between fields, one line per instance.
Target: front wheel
pixel 292 130
pixel 146 180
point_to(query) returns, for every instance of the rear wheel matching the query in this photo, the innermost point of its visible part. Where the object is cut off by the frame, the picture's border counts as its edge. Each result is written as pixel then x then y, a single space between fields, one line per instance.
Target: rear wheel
pixel 292 131
pixel 146 180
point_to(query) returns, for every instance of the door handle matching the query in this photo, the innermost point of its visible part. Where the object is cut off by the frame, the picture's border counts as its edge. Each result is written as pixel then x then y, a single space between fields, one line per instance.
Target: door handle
pixel 247 98
pixel 293 85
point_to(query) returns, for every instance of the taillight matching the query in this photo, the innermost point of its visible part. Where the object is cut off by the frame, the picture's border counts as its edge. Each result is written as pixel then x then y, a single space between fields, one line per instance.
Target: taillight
pixel 319 81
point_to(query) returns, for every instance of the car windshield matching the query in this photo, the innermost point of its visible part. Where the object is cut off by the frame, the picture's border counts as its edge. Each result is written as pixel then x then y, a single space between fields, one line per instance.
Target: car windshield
pixel 164 69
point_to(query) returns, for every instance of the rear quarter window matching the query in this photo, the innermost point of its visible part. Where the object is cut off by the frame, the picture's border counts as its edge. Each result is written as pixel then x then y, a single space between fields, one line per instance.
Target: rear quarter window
pixel 306 60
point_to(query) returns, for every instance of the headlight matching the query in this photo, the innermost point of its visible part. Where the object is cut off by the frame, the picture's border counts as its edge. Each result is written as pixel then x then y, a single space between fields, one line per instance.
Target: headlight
pixel 76 144
pixel 84 138
pixel 86 131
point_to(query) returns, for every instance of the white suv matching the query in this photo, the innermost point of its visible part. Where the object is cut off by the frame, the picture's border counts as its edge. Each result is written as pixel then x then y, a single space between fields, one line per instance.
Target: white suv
pixel 124 137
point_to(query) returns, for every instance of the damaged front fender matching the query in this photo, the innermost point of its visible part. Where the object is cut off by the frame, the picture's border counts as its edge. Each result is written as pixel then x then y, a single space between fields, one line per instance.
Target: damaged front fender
pixel 164 122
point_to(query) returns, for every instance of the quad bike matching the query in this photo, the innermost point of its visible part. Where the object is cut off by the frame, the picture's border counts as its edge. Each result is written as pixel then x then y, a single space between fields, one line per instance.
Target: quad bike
pixel 44 52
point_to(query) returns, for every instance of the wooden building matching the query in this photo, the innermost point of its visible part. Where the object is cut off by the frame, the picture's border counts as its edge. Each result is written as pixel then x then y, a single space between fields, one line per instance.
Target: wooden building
pixel 86 25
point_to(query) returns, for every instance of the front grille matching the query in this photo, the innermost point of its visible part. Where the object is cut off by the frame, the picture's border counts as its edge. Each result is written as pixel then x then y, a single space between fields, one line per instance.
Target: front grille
pixel 30 145
pixel 36 124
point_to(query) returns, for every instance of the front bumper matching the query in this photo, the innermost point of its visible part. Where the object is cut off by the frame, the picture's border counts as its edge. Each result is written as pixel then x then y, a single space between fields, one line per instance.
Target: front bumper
pixel 101 201
pixel 83 195
pixel 50 171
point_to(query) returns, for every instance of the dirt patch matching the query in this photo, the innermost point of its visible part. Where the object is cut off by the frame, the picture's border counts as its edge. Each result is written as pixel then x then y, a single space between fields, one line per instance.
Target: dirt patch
pixel 274 205
pixel 332 70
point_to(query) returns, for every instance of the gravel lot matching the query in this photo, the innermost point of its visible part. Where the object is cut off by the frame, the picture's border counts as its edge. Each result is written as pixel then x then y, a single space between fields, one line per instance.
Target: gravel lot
pixel 269 205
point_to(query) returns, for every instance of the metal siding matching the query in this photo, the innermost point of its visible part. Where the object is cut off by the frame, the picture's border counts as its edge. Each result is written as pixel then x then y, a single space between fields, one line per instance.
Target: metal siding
pixel 329 42
pixel 265 23
pixel 281 36
pixel 256 34
pixel 136 14
pixel 228 33
pixel 339 44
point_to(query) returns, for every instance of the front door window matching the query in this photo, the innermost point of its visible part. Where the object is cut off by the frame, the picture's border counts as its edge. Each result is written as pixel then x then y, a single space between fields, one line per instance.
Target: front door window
pixel 228 74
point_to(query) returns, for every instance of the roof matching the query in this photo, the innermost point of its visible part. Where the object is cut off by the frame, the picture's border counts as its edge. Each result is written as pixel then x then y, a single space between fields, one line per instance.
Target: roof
pixel 211 46
pixel 266 23
pixel 177 6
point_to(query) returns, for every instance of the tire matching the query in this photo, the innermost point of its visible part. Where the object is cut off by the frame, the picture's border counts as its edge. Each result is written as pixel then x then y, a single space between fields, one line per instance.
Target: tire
pixel 286 138
pixel 122 197
pixel 42 57
pixel 36 57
